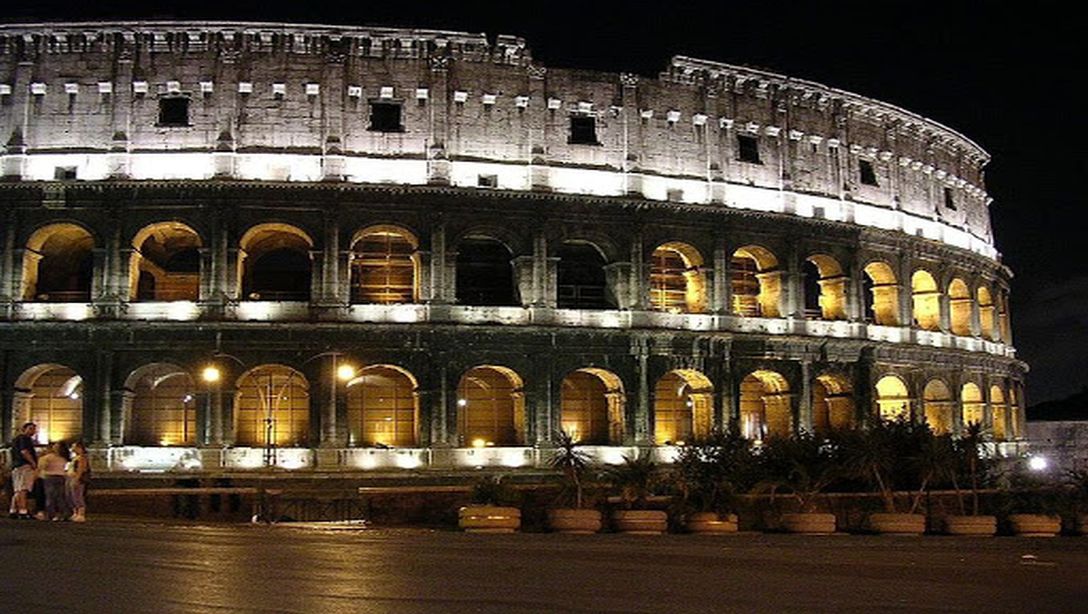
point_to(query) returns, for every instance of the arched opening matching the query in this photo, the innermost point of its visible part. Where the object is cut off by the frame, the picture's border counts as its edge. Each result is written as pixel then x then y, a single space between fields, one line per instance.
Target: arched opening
pixel 881 294
pixel 765 406
pixel 50 396
pixel 892 398
pixel 986 313
pixel 937 404
pixel 581 278
pixel 58 265
pixel 927 300
pixel 959 298
pixel 383 408
pixel 677 282
pixel 275 263
pixel 683 404
pixel 165 263
pixel 491 407
pixel 485 275
pixel 384 266
pixel 972 404
pixel 1003 331
pixel 1000 413
pixel 272 407
pixel 592 403
pixel 161 407
pixel 825 288
pixel 832 404
pixel 755 282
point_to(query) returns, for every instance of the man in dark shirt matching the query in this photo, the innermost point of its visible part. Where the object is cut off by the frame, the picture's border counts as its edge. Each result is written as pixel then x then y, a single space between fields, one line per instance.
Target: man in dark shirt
pixel 23 468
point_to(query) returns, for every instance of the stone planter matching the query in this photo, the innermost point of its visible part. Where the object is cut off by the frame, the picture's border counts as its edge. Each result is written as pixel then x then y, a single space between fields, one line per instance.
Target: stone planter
pixel 709 523
pixel 810 523
pixel 978 526
pixel 1082 524
pixel 489 519
pixel 574 521
pixel 898 524
pixel 1035 525
pixel 640 522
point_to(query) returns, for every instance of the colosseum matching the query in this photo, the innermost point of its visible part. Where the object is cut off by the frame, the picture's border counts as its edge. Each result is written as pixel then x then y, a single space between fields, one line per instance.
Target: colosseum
pixel 234 247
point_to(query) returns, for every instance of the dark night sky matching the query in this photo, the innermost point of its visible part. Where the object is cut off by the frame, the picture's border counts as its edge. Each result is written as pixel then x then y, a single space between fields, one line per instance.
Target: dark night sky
pixel 1005 77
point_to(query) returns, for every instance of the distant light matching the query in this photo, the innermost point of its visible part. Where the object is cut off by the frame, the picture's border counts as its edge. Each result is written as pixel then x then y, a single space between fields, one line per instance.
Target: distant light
pixel 478 443
pixel 461 402
pixel 74 396
pixel 211 374
pixel 345 372
pixel 1037 463
pixel 187 398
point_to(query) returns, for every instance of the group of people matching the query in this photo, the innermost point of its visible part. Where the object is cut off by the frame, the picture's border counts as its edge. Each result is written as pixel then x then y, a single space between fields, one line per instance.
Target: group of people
pixel 57 480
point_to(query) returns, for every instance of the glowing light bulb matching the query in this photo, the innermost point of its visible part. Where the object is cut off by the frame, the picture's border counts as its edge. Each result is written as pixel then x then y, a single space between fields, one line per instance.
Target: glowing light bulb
pixel 345 372
pixel 211 374
pixel 461 402
pixel 478 443
pixel 1037 463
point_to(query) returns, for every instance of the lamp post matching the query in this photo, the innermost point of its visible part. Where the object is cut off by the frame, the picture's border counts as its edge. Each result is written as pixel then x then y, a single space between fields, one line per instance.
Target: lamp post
pixel 340 372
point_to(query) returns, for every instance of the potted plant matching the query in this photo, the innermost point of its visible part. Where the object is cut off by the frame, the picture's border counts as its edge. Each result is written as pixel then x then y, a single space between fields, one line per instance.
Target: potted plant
pixel 967 462
pixel 1031 504
pixel 489 510
pixel 635 480
pixel 573 465
pixel 801 466
pixel 709 475
pixel 888 453
pixel 1076 483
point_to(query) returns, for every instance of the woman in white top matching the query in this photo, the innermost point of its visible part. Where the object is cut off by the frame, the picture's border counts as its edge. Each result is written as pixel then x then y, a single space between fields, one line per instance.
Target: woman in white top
pixel 53 469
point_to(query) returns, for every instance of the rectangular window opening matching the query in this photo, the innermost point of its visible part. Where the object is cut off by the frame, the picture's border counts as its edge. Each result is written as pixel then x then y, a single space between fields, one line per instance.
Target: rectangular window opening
pixel 64 173
pixel 949 201
pixel 748 149
pixel 583 130
pixel 385 117
pixel 174 112
pixel 868 175
pixel 487 181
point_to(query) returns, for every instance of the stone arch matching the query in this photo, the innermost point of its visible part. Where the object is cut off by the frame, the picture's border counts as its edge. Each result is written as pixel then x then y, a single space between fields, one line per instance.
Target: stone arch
pixel 491 407
pixel 275 263
pixel 986 314
pixel 926 297
pixel 880 293
pixel 383 407
pixel 272 407
pixel 677 279
pixel 892 398
pixel 581 277
pixel 51 396
pixel 825 288
pixel 485 272
pixel 384 265
pixel 832 404
pixel 592 405
pixel 165 263
pixel 937 405
pixel 972 406
pixel 755 282
pixel 160 406
pixel 1000 412
pixel 58 264
pixel 960 307
pixel 683 407
pixel 765 409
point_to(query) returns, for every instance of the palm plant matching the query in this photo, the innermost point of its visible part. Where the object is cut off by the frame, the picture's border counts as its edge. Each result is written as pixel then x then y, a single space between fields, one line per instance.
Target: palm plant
pixel 802 465
pixel 893 453
pixel 573 464
pixel 712 472
pixel 635 479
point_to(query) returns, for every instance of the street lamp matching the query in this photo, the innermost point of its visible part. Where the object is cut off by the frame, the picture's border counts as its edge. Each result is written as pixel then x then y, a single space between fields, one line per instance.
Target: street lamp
pixel 211 374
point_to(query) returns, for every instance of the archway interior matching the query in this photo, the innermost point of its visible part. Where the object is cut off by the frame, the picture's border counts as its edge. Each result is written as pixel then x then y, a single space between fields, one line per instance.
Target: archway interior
pixel 272 407
pixel 937 404
pixel 592 403
pixel 959 298
pixel 892 398
pixel 832 404
pixel 755 283
pixel 1000 413
pixel 383 408
pixel 824 287
pixel 582 283
pixel 677 285
pixel 765 405
pixel 162 407
pixel 491 407
pixel 165 265
pixel 881 294
pixel 927 300
pixel 972 404
pixel 683 406
pixel 276 263
pixel 384 266
pixel 50 396
pixel 485 274
pixel 986 314
pixel 58 265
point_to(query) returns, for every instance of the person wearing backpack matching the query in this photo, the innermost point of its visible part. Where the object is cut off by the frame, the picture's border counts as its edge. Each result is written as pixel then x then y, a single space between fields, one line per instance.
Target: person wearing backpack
pixel 24 468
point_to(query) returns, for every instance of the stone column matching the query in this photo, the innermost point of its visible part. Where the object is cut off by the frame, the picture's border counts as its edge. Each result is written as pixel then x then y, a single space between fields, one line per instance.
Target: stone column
pixel 97 396
pixel 804 401
pixel 120 410
pixel 639 283
pixel 326 283
pixel 524 279
pixel 8 291
pixel 439 287
pixel 721 291
pixel 438 110
pixel 618 277
pixel 641 427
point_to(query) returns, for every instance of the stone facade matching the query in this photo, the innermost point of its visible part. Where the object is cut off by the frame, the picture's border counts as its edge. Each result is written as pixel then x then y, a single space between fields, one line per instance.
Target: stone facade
pixel 861 230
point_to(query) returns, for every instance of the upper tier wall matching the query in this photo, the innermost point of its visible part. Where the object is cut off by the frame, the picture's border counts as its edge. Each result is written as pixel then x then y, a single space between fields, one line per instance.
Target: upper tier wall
pixel 93 89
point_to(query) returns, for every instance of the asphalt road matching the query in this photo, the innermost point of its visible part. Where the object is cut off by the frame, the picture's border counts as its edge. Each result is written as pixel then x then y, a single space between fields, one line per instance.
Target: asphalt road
pixel 135 566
